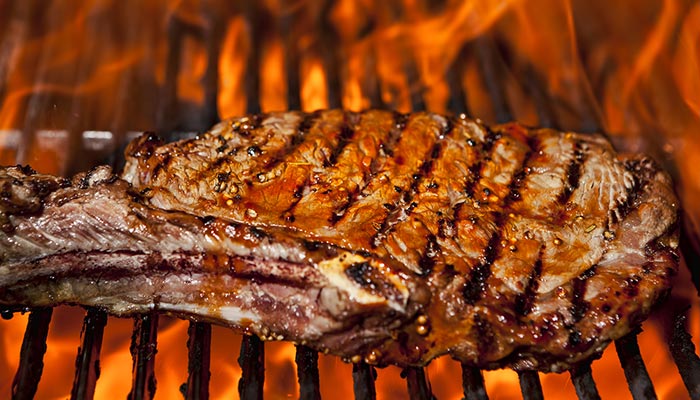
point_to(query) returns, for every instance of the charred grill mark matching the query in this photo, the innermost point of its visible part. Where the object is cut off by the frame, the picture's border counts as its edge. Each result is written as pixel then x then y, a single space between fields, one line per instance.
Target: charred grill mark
pixel 245 126
pixel 520 176
pixel 408 205
pixel 370 279
pixel 640 180
pixel 163 164
pixel 347 131
pixel 476 285
pixel 427 260
pixel 259 234
pixel 575 338
pixel 401 120
pixel 524 301
pixel 573 173
pixel 483 149
pixel 387 148
pixel 579 306
pixel 300 134
pixel 624 208
pixel 288 214
pixel 426 167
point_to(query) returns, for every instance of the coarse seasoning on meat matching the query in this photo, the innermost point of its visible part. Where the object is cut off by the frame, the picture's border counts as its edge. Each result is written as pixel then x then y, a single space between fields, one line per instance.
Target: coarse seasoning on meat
pixel 393 238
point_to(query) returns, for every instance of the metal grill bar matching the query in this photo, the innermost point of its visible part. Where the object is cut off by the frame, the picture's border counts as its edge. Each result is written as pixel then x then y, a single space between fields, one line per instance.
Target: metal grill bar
pixel 363 376
pixel 307 373
pixel 491 67
pixel 329 48
pixel 582 376
pixel 683 353
pixel 545 114
pixel 168 102
pixel 291 62
pixel 213 36
pixel 418 385
pixel 530 385
pixel 252 362
pixel 374 85
pixel 143 352
pixel 252 73
pixel 198 345
pixel 87 363
pixel 473 383
pixel 415 86
pixel 635 371
pixel 458 98
pixel 31 356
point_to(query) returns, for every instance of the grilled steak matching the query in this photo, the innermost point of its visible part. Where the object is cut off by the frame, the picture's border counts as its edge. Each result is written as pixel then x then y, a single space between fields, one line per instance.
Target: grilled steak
pixel 380 236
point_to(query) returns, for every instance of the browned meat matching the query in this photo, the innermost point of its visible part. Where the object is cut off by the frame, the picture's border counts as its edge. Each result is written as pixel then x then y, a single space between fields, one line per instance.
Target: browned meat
pixel 394 238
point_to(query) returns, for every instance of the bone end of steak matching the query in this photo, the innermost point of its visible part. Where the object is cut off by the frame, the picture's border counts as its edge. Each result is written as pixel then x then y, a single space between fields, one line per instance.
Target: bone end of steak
pixel 94 243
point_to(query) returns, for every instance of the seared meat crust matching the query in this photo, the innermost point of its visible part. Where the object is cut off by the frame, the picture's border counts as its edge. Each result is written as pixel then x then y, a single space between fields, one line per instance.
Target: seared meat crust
pixel 499 246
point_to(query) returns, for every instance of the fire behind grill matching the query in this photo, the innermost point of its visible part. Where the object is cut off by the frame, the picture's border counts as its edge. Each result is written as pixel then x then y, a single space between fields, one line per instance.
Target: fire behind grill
pixel 252 355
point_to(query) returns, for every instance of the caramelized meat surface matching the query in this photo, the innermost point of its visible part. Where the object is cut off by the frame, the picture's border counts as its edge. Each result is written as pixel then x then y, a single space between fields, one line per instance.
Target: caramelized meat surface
pixel 377 235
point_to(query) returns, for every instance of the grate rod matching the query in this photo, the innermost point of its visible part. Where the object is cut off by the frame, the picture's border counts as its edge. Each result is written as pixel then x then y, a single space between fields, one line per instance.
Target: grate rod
pixel 213 36
pixel 166 119
pixel 538 93
pixel 252 362
pixel 374 87
pixel 328 38
pixel 491 66
pixel 363 376
pixel 307 373
pixel 143 352
pixel 582 376
pixel 473 383
pixel 457 102
pixel 291 61
pixel 31 356
pixel 418 385
pixel 252 72
pixel 687 361
pixel 530 385
pixel 87 363
pixel 635 371
pixel 415 86
pixel 199 354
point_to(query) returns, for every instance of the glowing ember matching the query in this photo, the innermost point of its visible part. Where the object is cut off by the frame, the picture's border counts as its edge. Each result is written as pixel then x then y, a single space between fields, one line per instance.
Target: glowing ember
pixel 113 67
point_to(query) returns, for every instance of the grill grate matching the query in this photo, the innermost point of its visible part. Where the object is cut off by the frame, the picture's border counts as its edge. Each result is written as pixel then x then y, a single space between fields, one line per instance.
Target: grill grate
pixel 144 341
pixel 87 364
pixel 199 344
pixel 582 376
pixel 143 352
pixel 31 363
